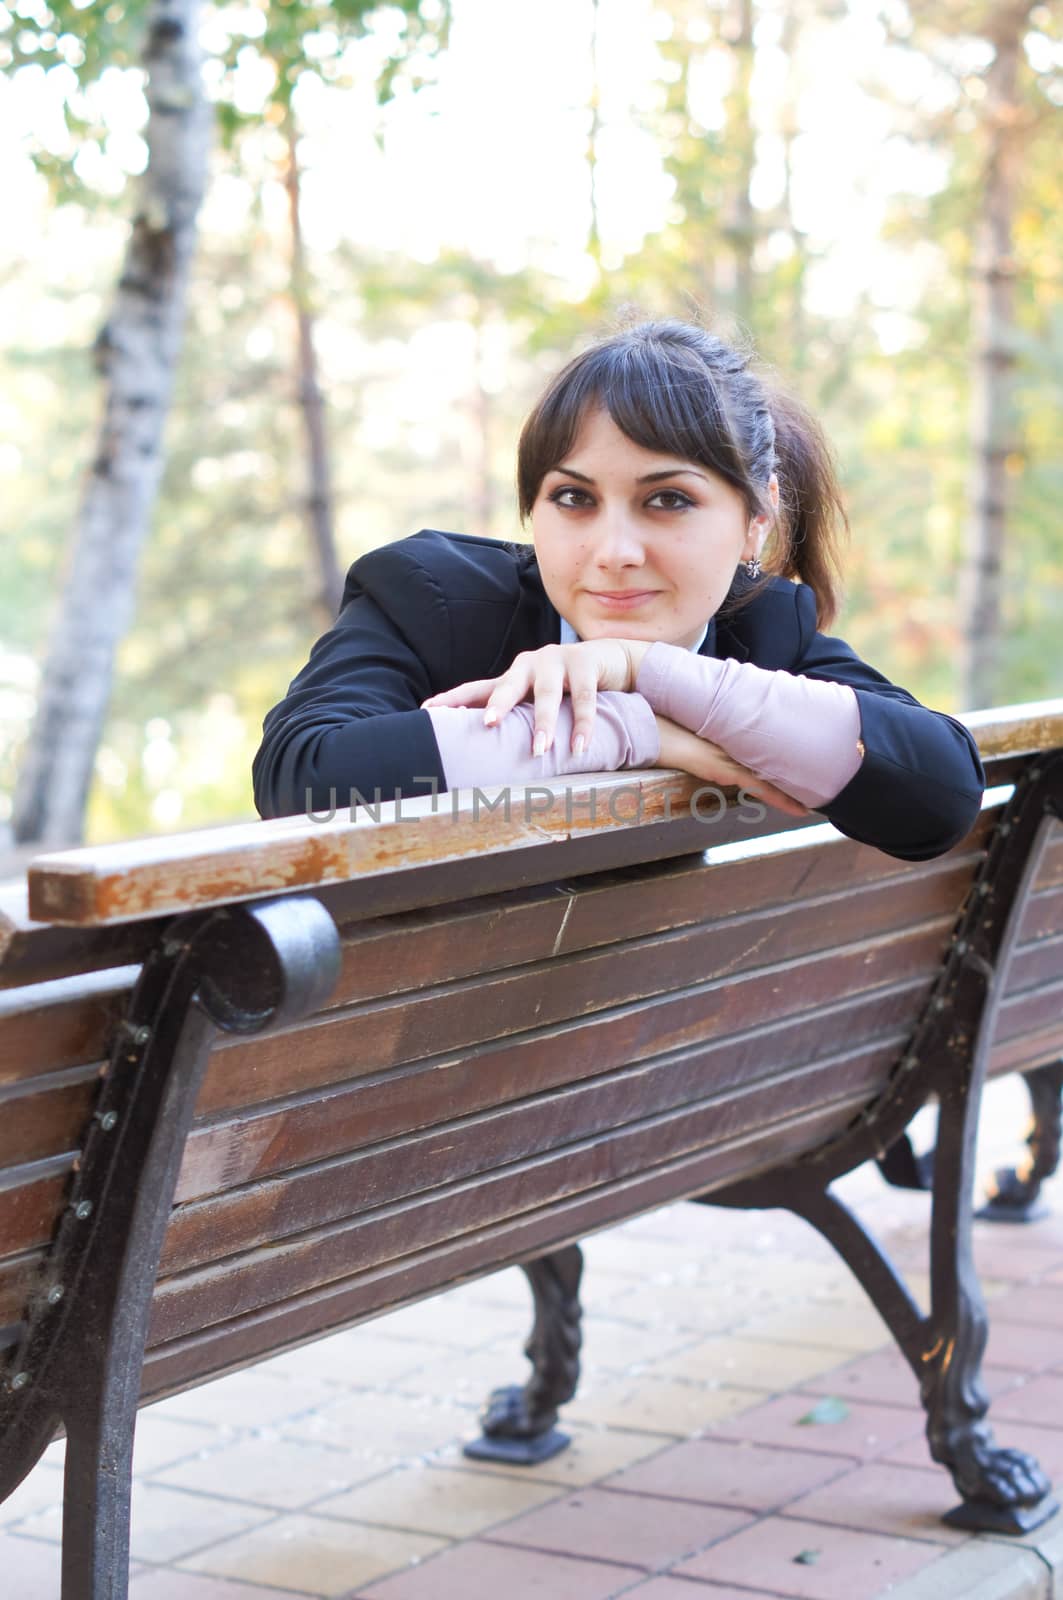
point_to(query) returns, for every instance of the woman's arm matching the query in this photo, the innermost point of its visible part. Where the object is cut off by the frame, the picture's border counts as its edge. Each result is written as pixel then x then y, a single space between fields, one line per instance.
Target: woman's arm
pixel 802 735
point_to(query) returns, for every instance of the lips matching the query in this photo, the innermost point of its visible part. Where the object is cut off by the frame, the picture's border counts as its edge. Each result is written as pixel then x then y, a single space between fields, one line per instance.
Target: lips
pixel 622 597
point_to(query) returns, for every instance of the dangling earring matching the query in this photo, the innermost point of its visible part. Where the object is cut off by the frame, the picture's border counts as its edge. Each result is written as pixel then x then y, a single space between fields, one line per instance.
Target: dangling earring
pixel 753 566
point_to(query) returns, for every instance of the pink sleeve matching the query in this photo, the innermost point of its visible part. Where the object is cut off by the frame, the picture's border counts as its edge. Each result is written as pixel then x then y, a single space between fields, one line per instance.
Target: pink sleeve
pixel 800 733
pixel 625 735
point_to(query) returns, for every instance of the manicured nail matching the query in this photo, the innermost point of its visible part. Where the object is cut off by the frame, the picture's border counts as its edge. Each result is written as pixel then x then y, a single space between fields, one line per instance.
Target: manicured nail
pixel 579 745
pixel 540 742
pixel 490 718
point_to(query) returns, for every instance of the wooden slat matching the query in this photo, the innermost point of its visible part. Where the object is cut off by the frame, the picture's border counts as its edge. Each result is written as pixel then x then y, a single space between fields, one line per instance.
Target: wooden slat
pixel 29 1205
pixel 68 1023
pixel 47 1118
pixel 396 954
pixel 227 1346
pixel 253 1145
pixel 374 1038
pixel 274 1272
pixel 711 1011
pixel 129 881
pixel 461 1150
pixel 71 1022
pixel 145 877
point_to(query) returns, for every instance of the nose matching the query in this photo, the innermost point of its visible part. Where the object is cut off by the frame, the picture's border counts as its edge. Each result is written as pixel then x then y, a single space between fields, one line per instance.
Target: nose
pixel 618 541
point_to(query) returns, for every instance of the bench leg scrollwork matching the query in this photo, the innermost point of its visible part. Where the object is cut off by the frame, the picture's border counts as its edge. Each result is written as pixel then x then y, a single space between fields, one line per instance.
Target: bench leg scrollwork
pixel 78 1363
pixel 1003 1490
pixel 519 1423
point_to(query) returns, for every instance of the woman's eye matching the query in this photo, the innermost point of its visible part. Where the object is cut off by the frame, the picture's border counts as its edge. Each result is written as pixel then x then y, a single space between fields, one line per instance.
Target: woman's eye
pixel 569 497
pixel 671 500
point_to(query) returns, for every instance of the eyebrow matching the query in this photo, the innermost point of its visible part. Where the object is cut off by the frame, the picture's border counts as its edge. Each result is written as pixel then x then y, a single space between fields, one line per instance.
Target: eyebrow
pixel 649 477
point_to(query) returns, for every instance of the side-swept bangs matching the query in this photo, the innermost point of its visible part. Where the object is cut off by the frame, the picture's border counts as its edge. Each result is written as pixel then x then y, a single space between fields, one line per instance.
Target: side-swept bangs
pixel 661 396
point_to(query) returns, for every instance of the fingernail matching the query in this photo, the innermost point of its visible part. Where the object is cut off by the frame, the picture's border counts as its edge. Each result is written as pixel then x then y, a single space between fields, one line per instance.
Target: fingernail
pixel 540 742
pixel 579 745
pixel 490 718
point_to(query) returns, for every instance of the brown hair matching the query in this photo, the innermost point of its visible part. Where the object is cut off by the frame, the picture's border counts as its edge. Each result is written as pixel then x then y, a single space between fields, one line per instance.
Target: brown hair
pixel 677 389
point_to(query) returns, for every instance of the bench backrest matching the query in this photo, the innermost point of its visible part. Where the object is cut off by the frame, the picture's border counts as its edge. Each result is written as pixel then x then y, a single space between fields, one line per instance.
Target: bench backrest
pixel 511 1057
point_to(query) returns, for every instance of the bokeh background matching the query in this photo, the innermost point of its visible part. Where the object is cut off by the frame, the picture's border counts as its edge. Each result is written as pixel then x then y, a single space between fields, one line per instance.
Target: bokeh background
pixel 405 217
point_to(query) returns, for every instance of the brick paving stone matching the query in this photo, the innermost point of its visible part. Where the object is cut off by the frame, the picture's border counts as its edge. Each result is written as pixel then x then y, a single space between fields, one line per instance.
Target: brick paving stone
pixel 374 1425
pixel 479 1571
pixel 867 1430
pixel 593 1453
pixel 602 1527
pixel 252 1399
pixel 658 1405
pixel 465 1377
pixel 701 1307
pixel 882 1498
pixel 358 1358
pixel 31 1568
pixel 998 1254
pixel 160 1441
pixel 312 1555
pixel 39 1490
pixel 856 1327
pixel 844 1564
pixel 748 1363
pixel 163 1584
pixel 1039 1304
pixel 166 1523
pixel 691 1589
pixel 1019 1346
pixel 435 1500
pixel 886 1378
pixel 1039 1401
pixel 618 1345
pixel 1044 1443
pixel 270 1470
pixel 729 1473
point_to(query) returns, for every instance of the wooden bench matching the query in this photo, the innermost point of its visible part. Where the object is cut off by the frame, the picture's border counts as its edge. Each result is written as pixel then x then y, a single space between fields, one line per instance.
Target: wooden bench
pixel 262 1082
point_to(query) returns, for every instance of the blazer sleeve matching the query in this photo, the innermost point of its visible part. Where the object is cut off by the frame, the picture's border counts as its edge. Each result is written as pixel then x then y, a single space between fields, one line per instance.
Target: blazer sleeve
pixel 350 724
pixel 919 787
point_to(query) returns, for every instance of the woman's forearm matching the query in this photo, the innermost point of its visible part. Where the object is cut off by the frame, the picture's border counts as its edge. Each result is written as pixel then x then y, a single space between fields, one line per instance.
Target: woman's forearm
pixel 624 735
pixel 801 733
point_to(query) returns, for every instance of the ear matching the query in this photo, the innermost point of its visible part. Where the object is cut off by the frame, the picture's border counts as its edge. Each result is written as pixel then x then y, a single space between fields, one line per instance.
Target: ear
pixel 760 527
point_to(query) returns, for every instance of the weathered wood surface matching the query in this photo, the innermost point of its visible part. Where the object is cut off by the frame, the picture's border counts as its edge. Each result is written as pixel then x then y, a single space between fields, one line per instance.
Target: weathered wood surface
pixel 113 884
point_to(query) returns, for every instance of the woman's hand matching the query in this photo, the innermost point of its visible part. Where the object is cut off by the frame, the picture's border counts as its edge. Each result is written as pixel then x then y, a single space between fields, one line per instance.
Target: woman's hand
pixel 683 749
pixel 545 676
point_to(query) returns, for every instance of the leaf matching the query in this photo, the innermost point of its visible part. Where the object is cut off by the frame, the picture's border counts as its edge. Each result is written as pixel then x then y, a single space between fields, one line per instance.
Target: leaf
pixel 829 1409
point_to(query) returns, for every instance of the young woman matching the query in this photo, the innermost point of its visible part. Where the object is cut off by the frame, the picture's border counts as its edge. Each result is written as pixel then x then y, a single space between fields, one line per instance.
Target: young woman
pixel 684 519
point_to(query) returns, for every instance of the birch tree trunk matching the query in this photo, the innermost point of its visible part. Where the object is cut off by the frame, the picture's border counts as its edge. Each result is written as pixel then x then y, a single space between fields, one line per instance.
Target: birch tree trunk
pixel 136 353
pixel 320 500
pixel 740 225
pixel 993 425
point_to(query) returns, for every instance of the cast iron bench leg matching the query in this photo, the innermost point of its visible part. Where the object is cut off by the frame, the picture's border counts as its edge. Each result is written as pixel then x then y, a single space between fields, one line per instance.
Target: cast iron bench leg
pixel 519 1424
pixel 1015 1193
pixel 80 1359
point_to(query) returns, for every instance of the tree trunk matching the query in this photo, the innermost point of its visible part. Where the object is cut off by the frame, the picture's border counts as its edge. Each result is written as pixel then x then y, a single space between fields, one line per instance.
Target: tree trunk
pixel 741 135
pixel 594 240
pixel 993 425
pixel 136 353
pixel 320 502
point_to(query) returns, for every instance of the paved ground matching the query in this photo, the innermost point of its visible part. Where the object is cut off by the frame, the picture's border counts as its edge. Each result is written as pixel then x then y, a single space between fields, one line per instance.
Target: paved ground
pixel 743 1430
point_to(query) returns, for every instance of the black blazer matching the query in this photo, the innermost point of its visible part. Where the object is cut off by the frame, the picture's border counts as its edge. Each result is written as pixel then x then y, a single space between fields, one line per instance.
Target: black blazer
pixel 439 609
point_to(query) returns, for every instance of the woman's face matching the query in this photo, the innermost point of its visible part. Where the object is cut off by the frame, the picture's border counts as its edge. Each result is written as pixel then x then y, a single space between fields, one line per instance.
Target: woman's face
pixel 636 545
